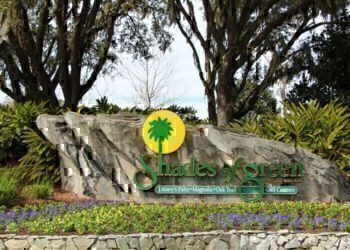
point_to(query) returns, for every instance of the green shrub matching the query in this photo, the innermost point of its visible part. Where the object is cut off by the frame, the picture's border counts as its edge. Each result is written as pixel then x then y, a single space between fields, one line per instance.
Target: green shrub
pixel 22 145
pixel 40 190
pixel 14 120
pixel 40 161
pixel 8 192
pixel 323 130
pixel 102 107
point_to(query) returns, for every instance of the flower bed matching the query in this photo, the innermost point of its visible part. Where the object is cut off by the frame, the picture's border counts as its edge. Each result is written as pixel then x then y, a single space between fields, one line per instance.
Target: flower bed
pixel 107 217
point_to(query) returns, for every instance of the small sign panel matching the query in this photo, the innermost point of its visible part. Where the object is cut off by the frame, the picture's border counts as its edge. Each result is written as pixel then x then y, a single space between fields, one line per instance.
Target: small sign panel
pixel 274 190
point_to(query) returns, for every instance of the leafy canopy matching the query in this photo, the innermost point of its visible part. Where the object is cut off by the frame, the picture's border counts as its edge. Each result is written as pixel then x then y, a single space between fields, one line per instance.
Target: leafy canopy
pixel 324 65
pixel 67 44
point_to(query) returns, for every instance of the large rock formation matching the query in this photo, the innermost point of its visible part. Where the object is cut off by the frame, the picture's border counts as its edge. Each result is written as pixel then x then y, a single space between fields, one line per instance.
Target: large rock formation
pixel 99 156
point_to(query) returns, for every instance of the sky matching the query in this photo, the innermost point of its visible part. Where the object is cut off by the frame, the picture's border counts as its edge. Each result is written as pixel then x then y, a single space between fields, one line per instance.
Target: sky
pixel 185 85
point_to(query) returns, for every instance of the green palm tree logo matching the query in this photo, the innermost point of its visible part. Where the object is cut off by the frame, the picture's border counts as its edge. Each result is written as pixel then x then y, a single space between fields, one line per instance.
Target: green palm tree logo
pixel 160 131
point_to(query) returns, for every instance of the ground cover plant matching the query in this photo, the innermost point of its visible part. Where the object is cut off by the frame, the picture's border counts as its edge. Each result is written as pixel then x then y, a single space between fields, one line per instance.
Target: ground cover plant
pixel 107 217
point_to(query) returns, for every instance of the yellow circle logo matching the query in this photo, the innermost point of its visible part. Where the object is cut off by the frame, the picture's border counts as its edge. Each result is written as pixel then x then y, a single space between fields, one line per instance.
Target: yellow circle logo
pixel 163 131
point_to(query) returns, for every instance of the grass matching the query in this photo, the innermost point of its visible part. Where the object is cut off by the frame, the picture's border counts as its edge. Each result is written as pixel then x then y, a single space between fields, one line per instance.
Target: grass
pixel 104 218
pixel 8 192
pixel 40 190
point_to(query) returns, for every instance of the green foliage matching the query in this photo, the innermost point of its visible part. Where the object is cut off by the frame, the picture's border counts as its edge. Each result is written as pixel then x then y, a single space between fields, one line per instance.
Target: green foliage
pixel 323 130
pixel 95 43
pixel 187 113
pixel 40 190
pixel 102 107
pixel 22 145
pixel 266 102
pixel 157 218
pixel 40 160
pixel 14 120
pixel 4 4
pixel 324 64
pixel 8 193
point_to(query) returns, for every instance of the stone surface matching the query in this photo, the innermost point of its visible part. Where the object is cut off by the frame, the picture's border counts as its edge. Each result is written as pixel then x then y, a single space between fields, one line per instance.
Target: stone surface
pixel 111 244
pixel 294 243
pixel 244 243
pixel 344 243
pixel 70 244
pixel 83 242
pixel 217 244
pixel 239 240
pixel 281 240
pixel 99 156
pixel 57 244
pixel 42 243
pixel 122 243
pixel 2 247
pixel 234 242
pixel 100 244
pixel 134 243
pixel 264 245
pixel 261 235
pixel 329 242
pixel 318 248
pixel 170 243
pixel 17 244
pixel 310 242
pixel 197 245
pixel 273 245
pixel 159 243
pixel 146 243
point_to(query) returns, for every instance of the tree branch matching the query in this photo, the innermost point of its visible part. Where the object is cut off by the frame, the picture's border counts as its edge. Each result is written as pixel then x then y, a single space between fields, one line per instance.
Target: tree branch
pixel 194 50
pixel 102 59
pixel 194 27
pixel 42 25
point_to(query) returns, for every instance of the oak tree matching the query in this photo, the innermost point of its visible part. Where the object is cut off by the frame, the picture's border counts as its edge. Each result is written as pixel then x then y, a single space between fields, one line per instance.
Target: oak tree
pixel 237 35
pixel 68 43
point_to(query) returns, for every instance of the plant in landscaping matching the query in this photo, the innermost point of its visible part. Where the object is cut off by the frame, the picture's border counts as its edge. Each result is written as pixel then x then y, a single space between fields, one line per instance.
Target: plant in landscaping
pixel 8 193
pixel 41 160
pixel 102 107
pixel 22 148
pixel 109 217
pixel 40 190
pixel 14 119
pixel 323 130
pixel 187 114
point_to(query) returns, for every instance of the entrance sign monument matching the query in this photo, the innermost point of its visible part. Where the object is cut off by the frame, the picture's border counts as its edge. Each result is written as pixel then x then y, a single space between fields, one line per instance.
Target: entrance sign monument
pixel 159 159
pixel 164 132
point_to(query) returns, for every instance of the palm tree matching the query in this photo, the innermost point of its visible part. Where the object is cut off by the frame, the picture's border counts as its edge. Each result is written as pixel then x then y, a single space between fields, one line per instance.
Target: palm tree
pixel 160 131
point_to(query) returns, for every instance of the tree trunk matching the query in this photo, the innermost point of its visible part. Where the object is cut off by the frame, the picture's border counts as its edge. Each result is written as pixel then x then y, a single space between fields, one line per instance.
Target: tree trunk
pixel 224 92
pixel 72 95
pixel 212 105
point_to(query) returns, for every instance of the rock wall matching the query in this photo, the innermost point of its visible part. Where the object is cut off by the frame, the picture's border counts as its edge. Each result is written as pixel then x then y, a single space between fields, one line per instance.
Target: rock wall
pixel 216 240
pixel 99 156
